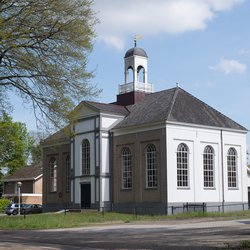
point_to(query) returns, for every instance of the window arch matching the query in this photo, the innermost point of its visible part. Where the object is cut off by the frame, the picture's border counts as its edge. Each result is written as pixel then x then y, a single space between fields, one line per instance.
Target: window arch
pixel 85 157
pixel 182 165
pixel 126 168
pixel 141 74
pixel 208 167
pixel 53 174
pixel 67 173
pixel 151 163
pixel 232 168
pixel 129 75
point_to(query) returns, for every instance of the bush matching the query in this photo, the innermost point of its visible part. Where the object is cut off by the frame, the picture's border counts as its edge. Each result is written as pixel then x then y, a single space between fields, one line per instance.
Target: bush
pixel 3 203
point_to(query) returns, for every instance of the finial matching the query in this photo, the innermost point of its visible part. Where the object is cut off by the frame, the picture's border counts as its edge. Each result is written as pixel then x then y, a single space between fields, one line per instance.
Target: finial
pixel 177 85
pixel 137 37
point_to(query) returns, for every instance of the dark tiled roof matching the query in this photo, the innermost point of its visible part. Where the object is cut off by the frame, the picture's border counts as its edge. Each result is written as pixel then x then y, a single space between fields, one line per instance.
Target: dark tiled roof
pixel 178 106
pixel 27 173
pixel 106 107
pixel 136 51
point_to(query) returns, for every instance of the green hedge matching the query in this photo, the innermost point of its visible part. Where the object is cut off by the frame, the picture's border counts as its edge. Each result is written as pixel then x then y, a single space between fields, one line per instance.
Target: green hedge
pixel 3 203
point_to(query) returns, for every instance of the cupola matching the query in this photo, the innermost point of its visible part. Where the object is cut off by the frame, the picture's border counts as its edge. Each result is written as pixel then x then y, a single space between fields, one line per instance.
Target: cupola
pixel 135 84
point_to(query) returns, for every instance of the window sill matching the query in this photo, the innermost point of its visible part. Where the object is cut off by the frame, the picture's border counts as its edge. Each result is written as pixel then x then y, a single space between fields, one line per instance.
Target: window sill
pixel 126 189
pixel 151 188
pixel 183 188
pixel 209 188
pixel 233 188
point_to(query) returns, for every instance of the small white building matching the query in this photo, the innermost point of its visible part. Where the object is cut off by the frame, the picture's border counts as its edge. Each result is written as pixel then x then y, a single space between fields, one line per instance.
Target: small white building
pixel 149 151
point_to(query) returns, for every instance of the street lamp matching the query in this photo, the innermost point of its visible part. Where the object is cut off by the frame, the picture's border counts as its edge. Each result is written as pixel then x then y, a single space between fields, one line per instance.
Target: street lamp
pixel 19 184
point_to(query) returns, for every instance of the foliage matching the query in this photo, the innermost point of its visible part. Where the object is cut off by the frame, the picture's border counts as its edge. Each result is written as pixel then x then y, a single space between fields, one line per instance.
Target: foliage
pixel 3 203
pixel 36 154
pixel 44 46
pixel 245 244
pixel 15 144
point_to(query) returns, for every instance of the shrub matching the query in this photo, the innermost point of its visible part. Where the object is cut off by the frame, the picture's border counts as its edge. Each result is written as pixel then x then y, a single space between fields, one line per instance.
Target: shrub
pixel 3 203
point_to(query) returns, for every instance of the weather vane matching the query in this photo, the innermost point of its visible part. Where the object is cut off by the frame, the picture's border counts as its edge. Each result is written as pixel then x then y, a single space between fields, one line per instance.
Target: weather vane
pixel 136 37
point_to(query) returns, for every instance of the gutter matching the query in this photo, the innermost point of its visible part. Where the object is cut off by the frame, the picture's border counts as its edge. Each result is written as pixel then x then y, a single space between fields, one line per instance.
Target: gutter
pixel 222 171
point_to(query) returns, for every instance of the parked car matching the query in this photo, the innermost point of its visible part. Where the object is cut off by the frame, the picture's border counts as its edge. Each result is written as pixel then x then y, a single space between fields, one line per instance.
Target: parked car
pixel 31 209
pixel 12 209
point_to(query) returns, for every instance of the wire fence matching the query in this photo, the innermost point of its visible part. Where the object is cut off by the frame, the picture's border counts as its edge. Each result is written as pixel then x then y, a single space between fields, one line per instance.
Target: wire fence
pixel 181 208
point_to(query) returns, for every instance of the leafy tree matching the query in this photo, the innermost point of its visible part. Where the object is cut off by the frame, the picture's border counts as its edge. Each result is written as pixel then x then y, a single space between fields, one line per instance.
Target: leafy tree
pixel 15 144
pixel 36 154
pixel 3 203
pixel 44 47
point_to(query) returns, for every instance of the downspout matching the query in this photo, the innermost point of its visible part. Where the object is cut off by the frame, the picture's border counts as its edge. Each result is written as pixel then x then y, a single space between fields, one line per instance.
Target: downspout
pixel 222 170
pixel 111 164
pixel 73 171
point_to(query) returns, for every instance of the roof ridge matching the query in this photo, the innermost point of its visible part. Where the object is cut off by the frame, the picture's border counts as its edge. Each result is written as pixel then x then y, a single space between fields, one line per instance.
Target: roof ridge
pixel 172 102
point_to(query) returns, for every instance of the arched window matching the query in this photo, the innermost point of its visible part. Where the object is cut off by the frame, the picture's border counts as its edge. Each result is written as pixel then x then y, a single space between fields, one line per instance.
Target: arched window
pixel 232 168
pixel 126 168
pixel 182 165
pixel 53 174
pixel 208 167
pixel 85 157
pixel 67 173
pixel 151 171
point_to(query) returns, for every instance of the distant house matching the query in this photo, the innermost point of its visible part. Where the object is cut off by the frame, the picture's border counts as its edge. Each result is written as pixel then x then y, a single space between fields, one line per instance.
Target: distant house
pixel 31 189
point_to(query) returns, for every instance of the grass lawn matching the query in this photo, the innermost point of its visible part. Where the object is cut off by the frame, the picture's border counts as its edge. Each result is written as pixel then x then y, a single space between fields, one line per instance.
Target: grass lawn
pixel 87 218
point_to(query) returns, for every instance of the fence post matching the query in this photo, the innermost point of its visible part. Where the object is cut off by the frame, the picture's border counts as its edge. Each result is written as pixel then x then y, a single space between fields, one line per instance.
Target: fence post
pixel 172 210
pixel 135 212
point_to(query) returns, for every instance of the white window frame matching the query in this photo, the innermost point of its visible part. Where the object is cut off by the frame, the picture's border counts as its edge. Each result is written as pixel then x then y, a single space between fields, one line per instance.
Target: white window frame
pixel 85 157
pixel 151 166
pixel 53 169
pixel 232 168
pixel 182 166
pixel 208 167
pixel 126 158
pixel 68 174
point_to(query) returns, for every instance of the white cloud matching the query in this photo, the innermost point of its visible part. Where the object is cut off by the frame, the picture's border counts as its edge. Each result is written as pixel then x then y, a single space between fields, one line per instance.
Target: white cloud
pixel 120 19
pixel 230 67
pixel 244 51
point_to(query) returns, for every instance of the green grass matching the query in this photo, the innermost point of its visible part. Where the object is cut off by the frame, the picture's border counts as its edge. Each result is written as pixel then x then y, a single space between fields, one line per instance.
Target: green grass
pixel 244 244
pixel 88 218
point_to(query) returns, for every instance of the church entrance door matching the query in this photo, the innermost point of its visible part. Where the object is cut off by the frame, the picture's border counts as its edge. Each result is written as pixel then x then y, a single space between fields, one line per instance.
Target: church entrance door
pixel 85 195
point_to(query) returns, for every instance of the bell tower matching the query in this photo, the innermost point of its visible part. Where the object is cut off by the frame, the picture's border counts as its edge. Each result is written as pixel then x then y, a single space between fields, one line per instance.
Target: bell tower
pixel 135 85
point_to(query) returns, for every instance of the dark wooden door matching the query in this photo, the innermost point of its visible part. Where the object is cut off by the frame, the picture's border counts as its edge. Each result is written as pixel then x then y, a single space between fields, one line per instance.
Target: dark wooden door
pixel 85 195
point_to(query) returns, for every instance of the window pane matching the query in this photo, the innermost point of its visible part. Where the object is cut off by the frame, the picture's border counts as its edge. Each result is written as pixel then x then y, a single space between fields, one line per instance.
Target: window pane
pixel 182 165
pixel 85 157
pixel 151 161
pixel 53 175
pixel 126 168
pixel 67 174
pixel 208 166
pixel 232 168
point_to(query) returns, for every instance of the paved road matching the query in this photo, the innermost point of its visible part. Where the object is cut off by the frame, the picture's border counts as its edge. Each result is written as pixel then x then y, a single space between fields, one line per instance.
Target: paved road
pixel 187 234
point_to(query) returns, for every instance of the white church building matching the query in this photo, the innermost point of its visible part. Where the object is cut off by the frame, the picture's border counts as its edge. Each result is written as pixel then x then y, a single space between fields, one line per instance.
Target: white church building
pixel 150 151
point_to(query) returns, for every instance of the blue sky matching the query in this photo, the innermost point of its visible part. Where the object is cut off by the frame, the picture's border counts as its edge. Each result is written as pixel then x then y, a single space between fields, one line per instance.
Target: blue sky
pixel 202 44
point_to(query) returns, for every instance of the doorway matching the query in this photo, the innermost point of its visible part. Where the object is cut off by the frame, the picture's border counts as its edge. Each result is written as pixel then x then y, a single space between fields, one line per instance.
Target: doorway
pixel 85 195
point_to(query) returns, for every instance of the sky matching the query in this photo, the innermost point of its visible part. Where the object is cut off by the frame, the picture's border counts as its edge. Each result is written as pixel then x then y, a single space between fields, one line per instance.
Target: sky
pixel 204 45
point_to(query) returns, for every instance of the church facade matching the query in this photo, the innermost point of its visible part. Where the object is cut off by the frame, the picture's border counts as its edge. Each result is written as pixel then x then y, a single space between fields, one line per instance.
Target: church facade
pixel 148 150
